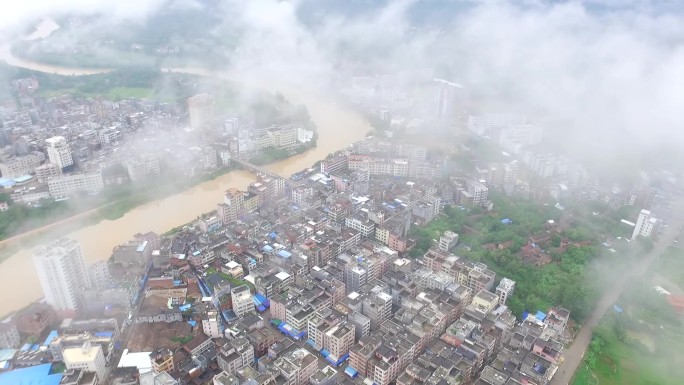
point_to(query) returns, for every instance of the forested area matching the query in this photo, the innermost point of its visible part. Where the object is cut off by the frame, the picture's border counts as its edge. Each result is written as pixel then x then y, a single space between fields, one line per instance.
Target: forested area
pixel 569 280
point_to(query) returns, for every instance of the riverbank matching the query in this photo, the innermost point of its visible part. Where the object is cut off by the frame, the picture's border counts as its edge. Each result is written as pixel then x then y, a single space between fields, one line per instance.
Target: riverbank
pixel 337 127
pixel 129 198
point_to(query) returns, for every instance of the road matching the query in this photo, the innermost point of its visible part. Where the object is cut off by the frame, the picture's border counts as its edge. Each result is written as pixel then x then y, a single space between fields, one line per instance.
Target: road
pixel 574 354
pixel 124 336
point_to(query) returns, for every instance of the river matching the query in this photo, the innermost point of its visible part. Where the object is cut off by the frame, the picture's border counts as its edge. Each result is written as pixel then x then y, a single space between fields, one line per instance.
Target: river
pixel 338 127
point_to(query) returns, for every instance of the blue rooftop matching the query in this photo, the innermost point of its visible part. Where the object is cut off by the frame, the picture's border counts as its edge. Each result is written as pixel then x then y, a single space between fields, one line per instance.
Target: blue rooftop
pixel 34 375
pixel 53 334
pixel 351 372
pixel 540 315
pixel 104 334
pixel 284 254
pixel 268 248
pixel 4 182
pixel 141 247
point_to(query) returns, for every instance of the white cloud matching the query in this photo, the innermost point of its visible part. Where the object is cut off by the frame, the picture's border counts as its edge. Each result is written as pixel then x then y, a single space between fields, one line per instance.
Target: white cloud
pixel 600 66
pixel 15 13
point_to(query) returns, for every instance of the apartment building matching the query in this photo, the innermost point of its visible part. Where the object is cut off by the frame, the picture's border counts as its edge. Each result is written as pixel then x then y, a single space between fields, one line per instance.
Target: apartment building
pixel 62 273
pixel 21 165
pixel 297 366
pixel 212 324
pixel 242 300
pixel 334 164
pixel 59 152
pixel 9 336
pixel 73 184
pixel 448 241
pixel 47 171
pixel 88 358
pixel 235 355
pixel 504 290
pixel 162 360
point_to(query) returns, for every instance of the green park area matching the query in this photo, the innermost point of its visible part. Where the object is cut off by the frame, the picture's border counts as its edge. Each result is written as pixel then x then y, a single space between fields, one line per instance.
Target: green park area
pixel 637 343
pixel 576 265
pixel 670 266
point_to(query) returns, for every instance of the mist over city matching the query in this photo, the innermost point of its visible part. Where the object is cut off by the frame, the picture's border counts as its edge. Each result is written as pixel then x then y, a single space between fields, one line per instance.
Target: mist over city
pixel 388 192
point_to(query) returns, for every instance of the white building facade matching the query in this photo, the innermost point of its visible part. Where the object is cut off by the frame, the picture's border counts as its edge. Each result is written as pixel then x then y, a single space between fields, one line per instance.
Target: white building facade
pixel 62 273
pixel 59 152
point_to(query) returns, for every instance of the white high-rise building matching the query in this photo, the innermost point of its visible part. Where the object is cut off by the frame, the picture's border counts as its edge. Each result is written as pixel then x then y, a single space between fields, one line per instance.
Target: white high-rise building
pixel 242 300
pixel 62 273
pixel 201 111
pixel 446 98
pixel 644 225
pixel 59 152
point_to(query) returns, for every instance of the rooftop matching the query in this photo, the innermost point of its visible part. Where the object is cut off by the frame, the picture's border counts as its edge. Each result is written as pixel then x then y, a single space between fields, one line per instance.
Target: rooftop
pixel 83 353
pixel 34 375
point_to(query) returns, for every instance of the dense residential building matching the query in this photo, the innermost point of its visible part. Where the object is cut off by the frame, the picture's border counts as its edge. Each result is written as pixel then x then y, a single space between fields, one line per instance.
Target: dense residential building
pixel 477 193
pixel 283 136
pixel 212 325
pixel 87 357
pixel 62 273
pixel 21 165
pixel 73 184
pixel 59 152
pixel 235 355
pixel 325 254
pixel 333 164
pixel 242 300
pixel 644 225
pixel 162 360
pixel 9 336
pixel 448 241
pixel 297 366
pixel 379 166
pixel 504 290
pixel 140 168
pixel 98 274
pixel 47 171
pixel 233 206
pixel 557 319
pixel 34 319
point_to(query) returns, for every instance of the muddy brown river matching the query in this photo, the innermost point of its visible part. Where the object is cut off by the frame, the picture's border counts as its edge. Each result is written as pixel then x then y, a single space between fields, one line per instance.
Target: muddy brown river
pixel 338 126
